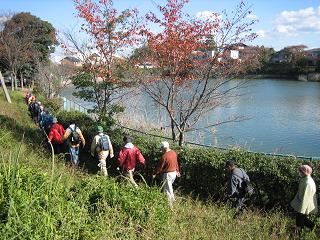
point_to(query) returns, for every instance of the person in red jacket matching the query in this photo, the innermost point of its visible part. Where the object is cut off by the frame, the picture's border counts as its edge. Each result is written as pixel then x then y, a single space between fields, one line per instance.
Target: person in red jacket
pixel 169 167
pixel 128 157
pixel 55 136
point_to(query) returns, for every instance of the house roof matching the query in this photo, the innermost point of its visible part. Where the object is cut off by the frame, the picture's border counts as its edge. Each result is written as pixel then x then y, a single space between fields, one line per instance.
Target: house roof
pixel 72 59
pixel 314 50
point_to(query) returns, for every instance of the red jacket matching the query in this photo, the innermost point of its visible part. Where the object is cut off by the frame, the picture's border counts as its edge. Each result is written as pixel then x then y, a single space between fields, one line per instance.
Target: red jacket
pixel 128 157
pixel 56 133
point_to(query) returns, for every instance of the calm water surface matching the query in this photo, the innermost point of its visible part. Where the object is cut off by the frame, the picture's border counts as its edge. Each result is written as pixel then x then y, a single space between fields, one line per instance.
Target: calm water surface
pixel 284 117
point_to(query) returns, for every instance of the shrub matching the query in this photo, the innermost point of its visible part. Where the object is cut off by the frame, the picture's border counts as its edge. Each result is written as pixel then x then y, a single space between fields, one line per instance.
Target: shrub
pixel 54 104
pixel 203 171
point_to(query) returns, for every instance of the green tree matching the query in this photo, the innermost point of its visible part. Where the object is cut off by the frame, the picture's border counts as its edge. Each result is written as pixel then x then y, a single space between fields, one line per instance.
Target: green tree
pixel 265 55
pixel 318 66
pixel 25 40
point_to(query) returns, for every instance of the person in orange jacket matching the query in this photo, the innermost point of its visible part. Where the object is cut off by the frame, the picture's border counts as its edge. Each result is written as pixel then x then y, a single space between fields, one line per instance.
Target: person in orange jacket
pixel 169 167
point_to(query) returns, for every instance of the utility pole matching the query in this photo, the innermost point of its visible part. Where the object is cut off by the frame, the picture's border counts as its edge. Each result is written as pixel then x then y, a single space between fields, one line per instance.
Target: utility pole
pixel 4 87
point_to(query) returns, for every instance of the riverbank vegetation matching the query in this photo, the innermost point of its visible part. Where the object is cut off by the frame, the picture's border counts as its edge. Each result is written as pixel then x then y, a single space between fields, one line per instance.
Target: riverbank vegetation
pixel 39 202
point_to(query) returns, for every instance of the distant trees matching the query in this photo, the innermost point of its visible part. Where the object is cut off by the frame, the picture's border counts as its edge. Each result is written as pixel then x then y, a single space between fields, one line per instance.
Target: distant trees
pixel 25 41
pixel 193 63
pixel 288 61
pixel 52 78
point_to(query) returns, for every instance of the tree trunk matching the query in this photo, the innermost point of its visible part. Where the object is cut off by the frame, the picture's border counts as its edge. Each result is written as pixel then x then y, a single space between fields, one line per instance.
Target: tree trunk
pixel 181 138
pixel 12 82
pixel 15 81
pixel 173 134
pixel 5 90
pixel 21 80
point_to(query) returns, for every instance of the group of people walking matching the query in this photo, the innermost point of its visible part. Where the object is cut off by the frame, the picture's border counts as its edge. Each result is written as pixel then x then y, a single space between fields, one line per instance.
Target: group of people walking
pixel 101 146
pixel 304 203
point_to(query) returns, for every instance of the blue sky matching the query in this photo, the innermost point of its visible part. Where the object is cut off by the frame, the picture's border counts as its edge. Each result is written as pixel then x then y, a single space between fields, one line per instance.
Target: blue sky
pixel 281 22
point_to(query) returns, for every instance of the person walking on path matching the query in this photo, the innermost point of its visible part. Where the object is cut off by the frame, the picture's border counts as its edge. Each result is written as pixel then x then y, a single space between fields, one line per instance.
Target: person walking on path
pixel 46 120
pixel 74 138
pixel 168 165
pixel 305 201
pixel 238 177
pixel 26 98
pixel 101 145
pixel 56 136
pixel 128 157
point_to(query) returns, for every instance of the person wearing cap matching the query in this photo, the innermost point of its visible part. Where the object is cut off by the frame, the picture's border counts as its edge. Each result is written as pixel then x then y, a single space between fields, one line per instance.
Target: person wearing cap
pixel 169 167
pixel 305 201
pixel 237 177
pixel 128 157
pixel 101 145
pixel 56 136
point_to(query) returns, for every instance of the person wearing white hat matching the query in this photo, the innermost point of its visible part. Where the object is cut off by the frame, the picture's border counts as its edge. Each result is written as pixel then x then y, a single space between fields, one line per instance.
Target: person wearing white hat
pixel 169 167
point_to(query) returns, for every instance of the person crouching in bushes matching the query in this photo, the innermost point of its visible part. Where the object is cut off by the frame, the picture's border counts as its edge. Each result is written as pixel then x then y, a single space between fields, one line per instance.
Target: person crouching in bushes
pixel 74 138
pixel 238 178
pixel 56 136
pixel 128 157
pixel 101 145
pixel 305 201
pixel 169 167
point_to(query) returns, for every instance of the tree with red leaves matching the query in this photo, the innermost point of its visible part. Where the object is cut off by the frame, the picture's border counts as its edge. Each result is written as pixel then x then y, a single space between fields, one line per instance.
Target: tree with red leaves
pixel 110 32
pixel 193 63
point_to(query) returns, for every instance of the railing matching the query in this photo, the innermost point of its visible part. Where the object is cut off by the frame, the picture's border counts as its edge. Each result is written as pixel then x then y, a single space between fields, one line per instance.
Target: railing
pixel 69 105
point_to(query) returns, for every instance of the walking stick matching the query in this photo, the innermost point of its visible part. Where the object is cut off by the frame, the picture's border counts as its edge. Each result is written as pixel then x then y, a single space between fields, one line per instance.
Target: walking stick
pixel 52 153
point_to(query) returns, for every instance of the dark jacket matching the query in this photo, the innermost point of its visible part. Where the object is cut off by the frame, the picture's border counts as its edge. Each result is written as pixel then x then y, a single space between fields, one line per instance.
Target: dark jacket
pixel 236 182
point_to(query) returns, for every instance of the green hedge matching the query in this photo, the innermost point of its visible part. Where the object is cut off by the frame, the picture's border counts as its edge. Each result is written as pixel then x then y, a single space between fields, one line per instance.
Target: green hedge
pixel 202 169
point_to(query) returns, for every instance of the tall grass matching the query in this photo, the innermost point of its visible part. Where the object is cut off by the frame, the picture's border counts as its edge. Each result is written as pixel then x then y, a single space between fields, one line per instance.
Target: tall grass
pixel 39 203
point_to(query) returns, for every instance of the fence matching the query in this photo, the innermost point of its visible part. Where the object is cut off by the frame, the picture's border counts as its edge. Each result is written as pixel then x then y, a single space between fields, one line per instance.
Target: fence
pixel 69 105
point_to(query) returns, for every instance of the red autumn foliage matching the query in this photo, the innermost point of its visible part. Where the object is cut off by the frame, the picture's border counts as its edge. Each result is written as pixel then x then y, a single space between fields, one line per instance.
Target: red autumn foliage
pixel 192 58
pixel 111 32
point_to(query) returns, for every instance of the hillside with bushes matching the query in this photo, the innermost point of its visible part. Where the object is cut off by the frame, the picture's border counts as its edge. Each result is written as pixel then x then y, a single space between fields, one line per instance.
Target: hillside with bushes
pixel 45 199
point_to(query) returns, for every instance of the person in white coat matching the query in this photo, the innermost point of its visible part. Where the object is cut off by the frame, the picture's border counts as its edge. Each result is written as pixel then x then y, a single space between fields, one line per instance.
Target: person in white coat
pixel 305 201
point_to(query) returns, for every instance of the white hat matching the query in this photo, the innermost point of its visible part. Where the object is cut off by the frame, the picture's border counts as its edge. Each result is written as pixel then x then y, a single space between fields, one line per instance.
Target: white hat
pixel 164 144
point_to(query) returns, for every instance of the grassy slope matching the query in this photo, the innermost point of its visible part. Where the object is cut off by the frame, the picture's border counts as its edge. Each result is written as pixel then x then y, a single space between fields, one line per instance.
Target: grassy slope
pixel 78 206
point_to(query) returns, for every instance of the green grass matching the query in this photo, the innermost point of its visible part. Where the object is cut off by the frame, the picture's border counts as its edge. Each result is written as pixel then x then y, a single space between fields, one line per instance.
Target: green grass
pixel 70 204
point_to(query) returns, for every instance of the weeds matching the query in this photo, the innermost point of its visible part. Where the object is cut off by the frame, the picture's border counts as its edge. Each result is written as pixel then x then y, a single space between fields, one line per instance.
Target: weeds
pixel 45 199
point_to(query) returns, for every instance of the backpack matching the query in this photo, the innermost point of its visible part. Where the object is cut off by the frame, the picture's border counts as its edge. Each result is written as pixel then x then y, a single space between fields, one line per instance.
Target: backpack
pixel 74 136
pixel 36 109
pixel 246 185
pixel 104 143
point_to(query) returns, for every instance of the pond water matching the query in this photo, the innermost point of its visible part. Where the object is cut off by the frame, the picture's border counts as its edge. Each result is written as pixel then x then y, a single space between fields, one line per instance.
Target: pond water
pixel 283 117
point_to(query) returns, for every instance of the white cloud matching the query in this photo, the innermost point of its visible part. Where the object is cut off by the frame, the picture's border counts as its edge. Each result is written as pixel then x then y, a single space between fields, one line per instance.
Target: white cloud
pixel 204 15
pixel 252 16
pixel 261 33
pixel 3 19
pixel 293 23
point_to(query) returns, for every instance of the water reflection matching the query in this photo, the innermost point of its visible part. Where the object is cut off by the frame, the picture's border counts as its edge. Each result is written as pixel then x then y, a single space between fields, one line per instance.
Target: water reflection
pixel 283 118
